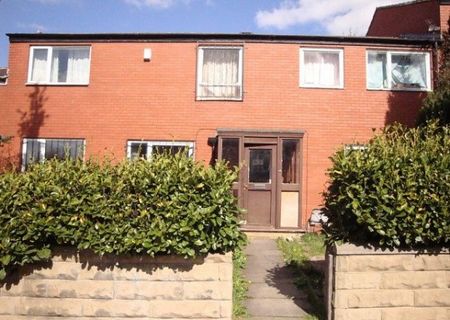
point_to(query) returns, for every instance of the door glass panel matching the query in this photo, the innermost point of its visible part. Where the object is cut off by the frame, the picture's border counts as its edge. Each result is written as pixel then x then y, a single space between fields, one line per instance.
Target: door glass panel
pixel 260 165
pixel 290 148
pixel 230 151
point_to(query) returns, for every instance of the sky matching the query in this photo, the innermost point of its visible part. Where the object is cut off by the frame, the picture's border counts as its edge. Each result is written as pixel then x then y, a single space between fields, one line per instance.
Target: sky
pixel 308 17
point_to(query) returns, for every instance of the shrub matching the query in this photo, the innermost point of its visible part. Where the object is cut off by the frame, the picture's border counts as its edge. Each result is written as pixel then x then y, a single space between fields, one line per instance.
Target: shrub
pixel 169 205
pixel 436 106
pixel 395 193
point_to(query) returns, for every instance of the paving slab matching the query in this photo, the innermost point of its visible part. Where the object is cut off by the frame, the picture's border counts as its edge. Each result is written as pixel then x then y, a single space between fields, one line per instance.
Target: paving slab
pixel 272 294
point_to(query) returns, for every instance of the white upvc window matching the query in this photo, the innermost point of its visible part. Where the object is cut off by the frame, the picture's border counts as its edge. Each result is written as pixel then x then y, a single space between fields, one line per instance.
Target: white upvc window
pixel 38 150
pixel 3 76
pixel 145 149
pixel 394 70
pixel 321 68
pixel 59 65
pixel 219 73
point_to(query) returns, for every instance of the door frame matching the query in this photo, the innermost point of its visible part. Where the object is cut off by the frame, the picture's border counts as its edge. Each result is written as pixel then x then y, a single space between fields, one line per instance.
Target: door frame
pixel 275 137
pixel 247 186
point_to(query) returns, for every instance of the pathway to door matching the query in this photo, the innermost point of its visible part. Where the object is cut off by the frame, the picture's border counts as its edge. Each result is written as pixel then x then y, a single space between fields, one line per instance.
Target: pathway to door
pixel 272 293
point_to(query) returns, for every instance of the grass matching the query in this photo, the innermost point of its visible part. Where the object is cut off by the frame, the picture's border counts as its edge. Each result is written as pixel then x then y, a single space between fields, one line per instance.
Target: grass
pixel 297 253
pixel 240 285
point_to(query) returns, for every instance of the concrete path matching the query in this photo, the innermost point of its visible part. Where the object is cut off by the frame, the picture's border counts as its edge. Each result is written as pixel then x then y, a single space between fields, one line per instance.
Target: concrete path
pixel 272 294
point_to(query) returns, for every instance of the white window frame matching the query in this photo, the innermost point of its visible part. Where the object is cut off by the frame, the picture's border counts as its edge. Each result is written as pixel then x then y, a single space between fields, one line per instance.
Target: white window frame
pixel 200 51
pixel 7 76
pixel 43 141
pixel 302 83
pixel 49 66
pixel 389 67
pixel 150 144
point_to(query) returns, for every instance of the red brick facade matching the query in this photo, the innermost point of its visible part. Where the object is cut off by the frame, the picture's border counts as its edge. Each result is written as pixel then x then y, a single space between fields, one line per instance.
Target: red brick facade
pixel 413 17
pixel 128 98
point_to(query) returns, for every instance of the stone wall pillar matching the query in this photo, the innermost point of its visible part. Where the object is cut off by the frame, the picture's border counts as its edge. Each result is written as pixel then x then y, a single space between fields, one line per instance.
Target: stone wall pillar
pixel 388 285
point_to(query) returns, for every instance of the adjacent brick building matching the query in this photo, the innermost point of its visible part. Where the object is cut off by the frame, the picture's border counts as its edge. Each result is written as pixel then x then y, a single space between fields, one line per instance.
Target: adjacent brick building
pixel 278 105
pixel 410 19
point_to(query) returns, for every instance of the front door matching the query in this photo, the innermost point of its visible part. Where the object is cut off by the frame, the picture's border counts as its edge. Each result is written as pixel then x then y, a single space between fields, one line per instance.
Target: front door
pixel 259 184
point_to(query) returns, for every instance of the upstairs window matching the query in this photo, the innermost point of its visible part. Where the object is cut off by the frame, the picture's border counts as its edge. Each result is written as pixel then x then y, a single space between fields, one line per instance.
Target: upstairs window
pixel 219 74
pixel 145 149
pixel 59 65
pixel 398 70
pixel 3 76
pixel 321 68
pixel 37 150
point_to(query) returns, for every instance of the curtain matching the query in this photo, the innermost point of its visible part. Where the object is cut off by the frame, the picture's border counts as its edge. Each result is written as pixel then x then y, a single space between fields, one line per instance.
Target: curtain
pixel 408 71
pixel 220 73
pixel 321 68
pixel 70 65
pixel 376 70
pixel 78 66
pixel 39 66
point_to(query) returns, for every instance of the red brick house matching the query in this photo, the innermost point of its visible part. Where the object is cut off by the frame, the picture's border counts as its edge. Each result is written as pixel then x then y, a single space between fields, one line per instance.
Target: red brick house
pixel 279 104
pixel 410 19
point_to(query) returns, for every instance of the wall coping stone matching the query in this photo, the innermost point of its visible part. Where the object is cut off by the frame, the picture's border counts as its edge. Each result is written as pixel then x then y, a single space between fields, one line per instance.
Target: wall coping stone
pixel 349 249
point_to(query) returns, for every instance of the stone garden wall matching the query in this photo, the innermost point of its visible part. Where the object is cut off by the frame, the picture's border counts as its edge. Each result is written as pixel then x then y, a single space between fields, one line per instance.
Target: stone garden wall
pixel 85 286
pixel 388 285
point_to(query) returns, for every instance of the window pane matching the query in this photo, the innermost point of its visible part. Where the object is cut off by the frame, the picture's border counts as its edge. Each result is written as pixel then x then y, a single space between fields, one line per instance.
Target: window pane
pixel 408 71
pixel 39 65
pixel 260 165
pixel 63 148
pixel 70 65
pixel 220 73
pixel 138 150
pixel 289 161
pixel 321 68
pixel 377 71
pixel 171 150
pixel 230 151
pixel 33 153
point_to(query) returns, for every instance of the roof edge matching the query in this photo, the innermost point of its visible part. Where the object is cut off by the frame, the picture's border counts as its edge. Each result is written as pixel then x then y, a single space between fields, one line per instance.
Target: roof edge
pixel 105 37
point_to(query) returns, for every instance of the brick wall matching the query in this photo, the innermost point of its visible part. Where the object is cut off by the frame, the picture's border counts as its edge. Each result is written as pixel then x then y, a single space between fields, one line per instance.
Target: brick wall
pixel 413 17
pixel 82 286
pixel 128 98
pixel 389 285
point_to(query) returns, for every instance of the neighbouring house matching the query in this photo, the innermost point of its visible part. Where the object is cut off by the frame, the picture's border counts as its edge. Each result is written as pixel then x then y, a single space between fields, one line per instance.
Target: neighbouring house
pixel 280 105
pixel 421 18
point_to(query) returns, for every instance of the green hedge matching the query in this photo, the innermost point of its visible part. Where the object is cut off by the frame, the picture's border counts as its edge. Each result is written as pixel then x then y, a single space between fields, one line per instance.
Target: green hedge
pixel 169 205
pixel 396 193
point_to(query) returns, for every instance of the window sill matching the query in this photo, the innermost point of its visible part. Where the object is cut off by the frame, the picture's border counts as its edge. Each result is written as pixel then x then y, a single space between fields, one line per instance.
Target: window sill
pixel 320 87
pixel 400 89
pixel 220 99
pixel 56 84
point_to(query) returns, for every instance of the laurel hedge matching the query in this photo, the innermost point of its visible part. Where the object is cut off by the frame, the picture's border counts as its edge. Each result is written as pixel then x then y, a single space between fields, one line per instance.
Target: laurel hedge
pixel 394 193
pixel 168 205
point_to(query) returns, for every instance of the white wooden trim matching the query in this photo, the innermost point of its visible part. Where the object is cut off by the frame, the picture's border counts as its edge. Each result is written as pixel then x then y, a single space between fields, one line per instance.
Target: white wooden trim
pixel 49 64
pixel 200 51
pixel 341 67
pixel 389 67
pixel 151 143
pixel 43 142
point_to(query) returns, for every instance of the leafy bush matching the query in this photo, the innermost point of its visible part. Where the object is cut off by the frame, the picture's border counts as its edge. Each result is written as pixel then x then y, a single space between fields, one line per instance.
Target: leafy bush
pixel 436 106
pixel 395 193
pixel 169 205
